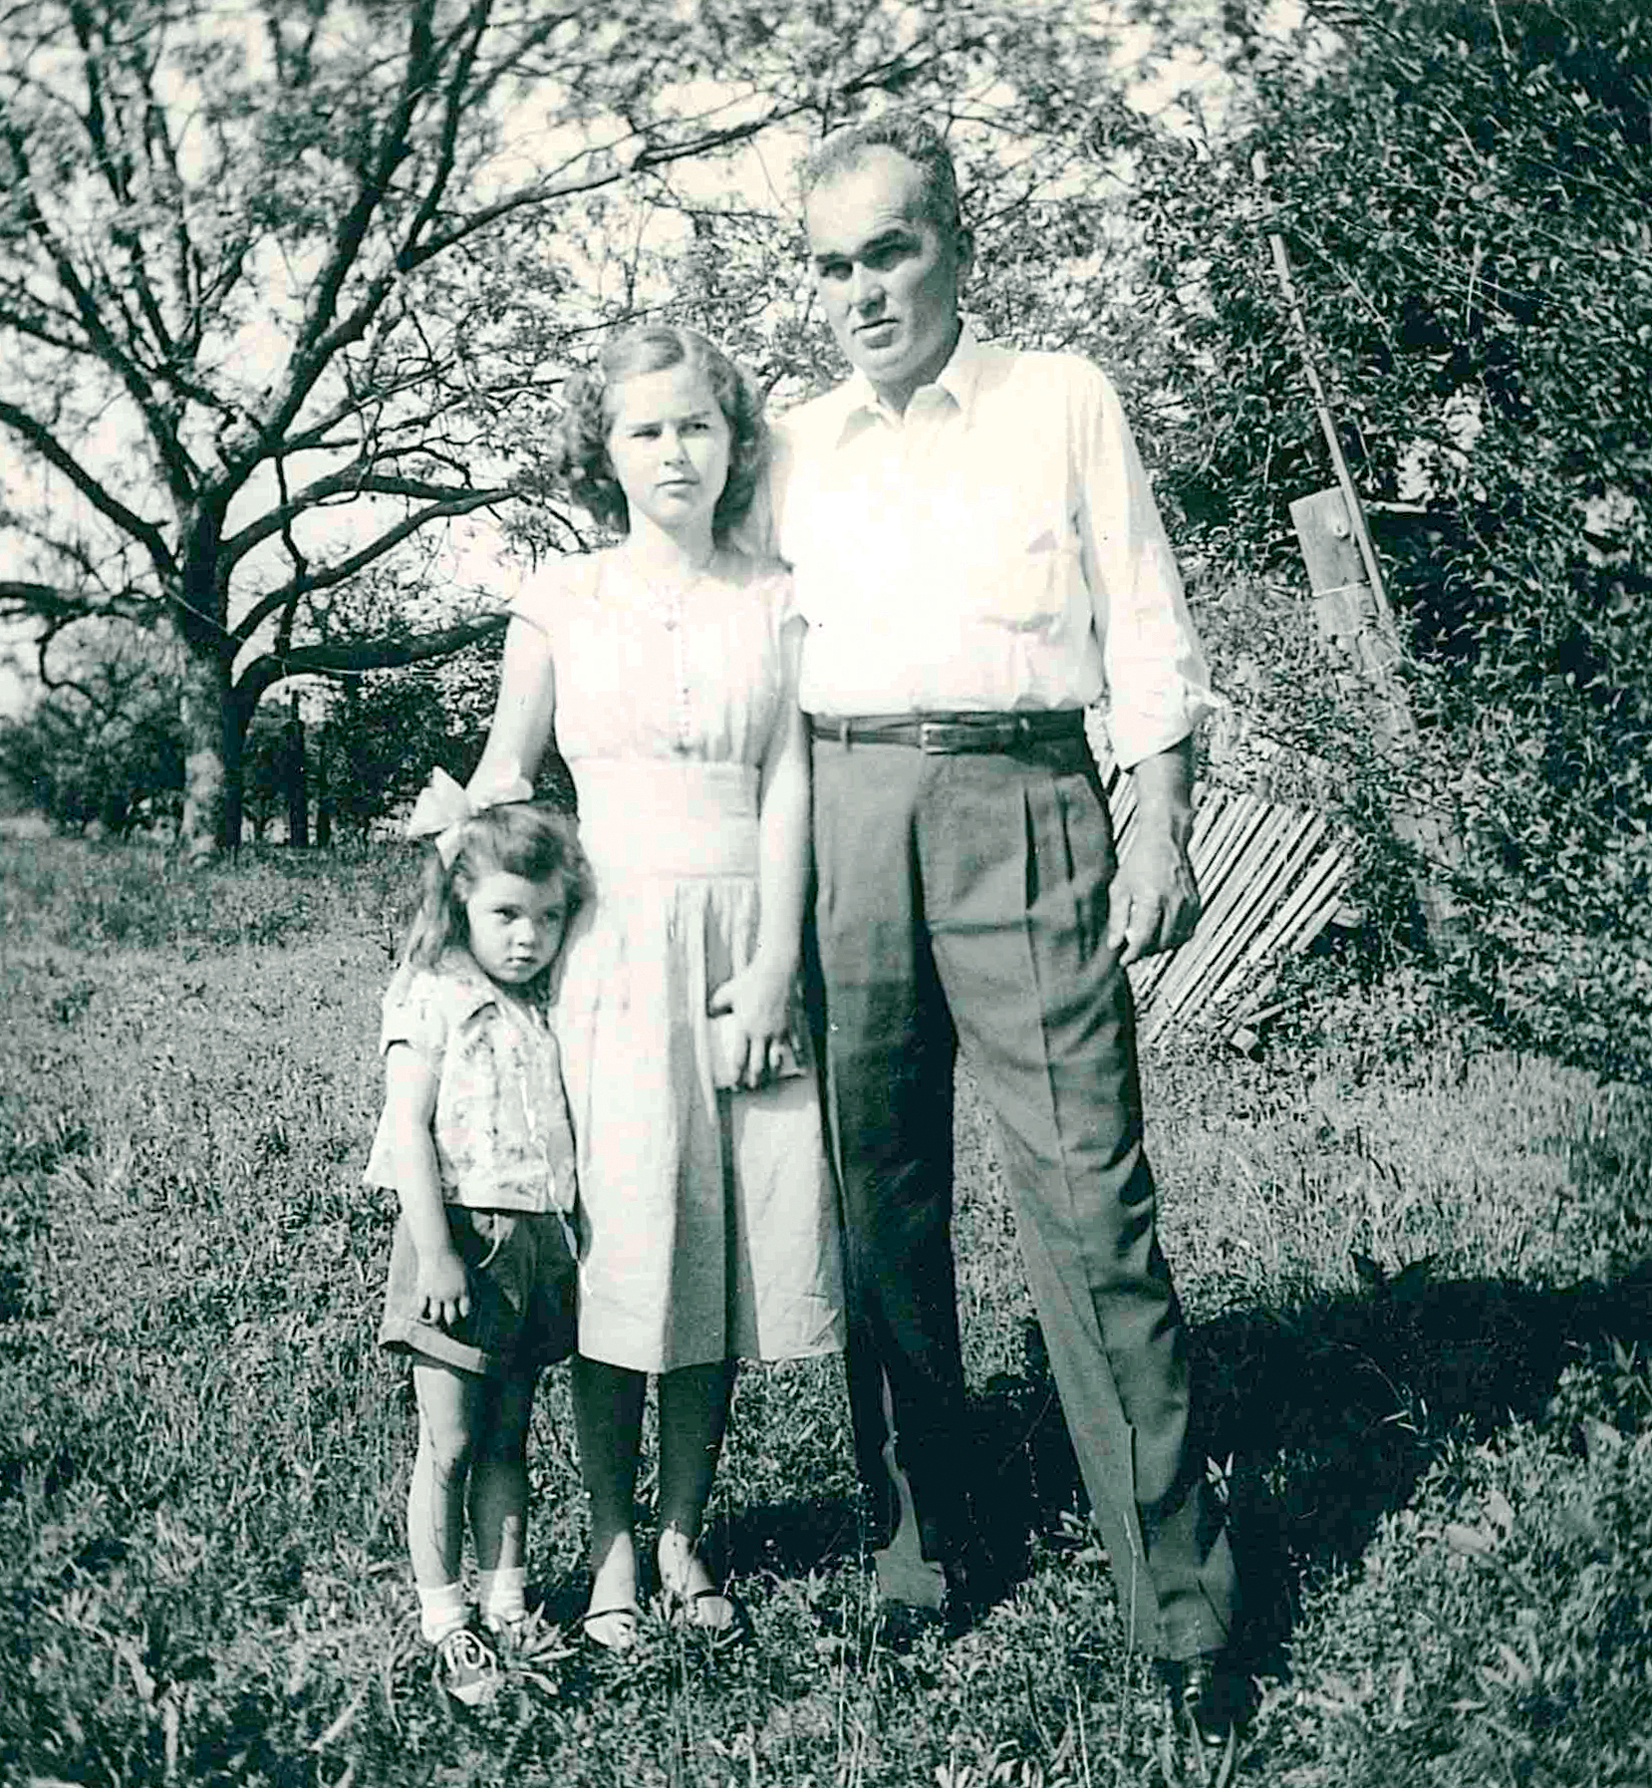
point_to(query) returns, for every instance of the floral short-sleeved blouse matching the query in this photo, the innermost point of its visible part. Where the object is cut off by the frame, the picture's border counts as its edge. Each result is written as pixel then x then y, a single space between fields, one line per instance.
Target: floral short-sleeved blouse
pixel 501 1127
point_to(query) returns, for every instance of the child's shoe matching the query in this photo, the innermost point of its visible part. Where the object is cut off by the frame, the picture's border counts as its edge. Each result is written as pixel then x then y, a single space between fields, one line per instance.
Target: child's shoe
pixel 510 1630
pixel 466 1667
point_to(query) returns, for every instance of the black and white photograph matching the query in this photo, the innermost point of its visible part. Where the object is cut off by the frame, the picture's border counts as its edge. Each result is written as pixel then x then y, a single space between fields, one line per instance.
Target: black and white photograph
pixel 826 893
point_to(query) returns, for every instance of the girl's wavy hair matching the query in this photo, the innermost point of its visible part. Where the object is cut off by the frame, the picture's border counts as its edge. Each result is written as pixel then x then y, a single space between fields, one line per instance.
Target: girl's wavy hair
pixel 579 453
pixel 518 838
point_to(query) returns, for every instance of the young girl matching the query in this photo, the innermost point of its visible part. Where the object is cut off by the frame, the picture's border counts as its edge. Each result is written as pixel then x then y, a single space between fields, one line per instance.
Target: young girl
pixel 708 1223
pixel 475 1141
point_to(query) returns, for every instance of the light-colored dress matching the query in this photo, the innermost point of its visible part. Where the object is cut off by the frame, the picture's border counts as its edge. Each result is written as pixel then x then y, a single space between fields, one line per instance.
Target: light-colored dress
pixel 708 1220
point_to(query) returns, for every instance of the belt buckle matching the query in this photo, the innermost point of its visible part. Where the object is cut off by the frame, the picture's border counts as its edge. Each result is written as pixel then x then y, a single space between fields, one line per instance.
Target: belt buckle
pixel 951 736
pixel 942 737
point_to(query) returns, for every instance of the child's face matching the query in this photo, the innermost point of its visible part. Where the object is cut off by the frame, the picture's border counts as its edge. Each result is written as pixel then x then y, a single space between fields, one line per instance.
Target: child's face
pixel 516 926
pixel 668 444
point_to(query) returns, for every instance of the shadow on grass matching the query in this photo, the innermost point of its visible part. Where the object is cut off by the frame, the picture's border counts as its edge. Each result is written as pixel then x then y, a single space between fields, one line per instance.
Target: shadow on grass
pixel 1335 1409
pixel 792 1538
pixel 1331 1413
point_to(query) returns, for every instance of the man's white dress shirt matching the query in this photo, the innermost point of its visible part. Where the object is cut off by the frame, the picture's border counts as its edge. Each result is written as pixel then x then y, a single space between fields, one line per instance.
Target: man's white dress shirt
pixel 997 547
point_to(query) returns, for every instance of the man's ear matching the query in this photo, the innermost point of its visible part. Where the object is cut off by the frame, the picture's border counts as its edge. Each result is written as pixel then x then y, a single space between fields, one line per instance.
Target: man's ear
pixel 963 247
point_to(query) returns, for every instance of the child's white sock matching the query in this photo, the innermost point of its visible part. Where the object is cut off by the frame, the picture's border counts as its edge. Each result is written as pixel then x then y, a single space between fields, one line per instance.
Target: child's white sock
pixel 441 1611
pixel 503 1594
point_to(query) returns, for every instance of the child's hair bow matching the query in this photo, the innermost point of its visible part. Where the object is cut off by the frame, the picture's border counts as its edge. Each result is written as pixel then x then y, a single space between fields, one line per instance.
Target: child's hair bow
pixel 443 807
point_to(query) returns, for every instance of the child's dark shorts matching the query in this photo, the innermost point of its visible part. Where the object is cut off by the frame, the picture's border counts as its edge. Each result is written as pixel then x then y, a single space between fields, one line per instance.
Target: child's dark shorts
pixel 521 1294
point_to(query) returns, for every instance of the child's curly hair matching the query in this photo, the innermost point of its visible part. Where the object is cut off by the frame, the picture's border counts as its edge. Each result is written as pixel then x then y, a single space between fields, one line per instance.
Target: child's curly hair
pixel 579 453
pixel 519 838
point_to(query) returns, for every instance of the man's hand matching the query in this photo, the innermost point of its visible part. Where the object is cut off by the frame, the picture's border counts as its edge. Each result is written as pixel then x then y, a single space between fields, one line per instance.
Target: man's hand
pixel 1153 903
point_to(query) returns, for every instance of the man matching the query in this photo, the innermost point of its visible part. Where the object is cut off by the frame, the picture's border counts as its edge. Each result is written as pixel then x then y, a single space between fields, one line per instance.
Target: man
pixel 978 555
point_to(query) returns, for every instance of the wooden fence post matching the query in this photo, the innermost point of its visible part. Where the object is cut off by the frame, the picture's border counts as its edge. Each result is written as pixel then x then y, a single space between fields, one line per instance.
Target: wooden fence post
pixel 1344 605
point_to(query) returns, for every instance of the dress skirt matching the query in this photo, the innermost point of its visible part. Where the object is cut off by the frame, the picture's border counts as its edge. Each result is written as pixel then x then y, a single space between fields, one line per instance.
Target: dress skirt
pixel 708 1221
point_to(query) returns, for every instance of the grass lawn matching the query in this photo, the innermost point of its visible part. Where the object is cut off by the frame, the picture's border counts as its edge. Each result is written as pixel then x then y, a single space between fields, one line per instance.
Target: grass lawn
pixel 1415 1268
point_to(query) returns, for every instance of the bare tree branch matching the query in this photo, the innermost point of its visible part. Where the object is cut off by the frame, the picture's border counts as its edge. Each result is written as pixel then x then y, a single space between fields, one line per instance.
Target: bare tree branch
pixel 316 341
pixel 180 470
pixel 41 439
pixel 389 652
pixel 349 481
pixel 330 576
pixel 20 599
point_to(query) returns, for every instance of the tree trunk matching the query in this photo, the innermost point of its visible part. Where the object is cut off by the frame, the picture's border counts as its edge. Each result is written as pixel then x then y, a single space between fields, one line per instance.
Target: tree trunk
pixel 323 799
pixel 206 708
pixel 233 734
pixel 298 806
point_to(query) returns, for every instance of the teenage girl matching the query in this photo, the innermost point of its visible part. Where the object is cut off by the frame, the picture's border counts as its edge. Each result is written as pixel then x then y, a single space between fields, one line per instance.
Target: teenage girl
pixel 475 1141
pixel 665 669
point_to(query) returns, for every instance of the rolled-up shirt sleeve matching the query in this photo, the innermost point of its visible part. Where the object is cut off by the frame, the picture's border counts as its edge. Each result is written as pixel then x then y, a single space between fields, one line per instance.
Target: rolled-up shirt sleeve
pixel 1158 685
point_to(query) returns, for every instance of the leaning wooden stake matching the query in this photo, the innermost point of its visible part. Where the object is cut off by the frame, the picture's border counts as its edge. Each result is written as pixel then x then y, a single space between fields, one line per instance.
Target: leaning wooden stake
pixel 1354 617
pixel 1327 423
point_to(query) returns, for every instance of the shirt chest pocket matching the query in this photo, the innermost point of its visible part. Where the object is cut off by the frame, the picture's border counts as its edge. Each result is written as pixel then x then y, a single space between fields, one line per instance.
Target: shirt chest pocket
pixel 1012 547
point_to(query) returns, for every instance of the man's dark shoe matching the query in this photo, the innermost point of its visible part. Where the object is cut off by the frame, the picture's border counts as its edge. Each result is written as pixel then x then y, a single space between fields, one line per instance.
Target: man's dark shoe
pixel 906 1579
pixel 911 1593
pixel 918 1595
pixel 900 1627
pixel 1207 1697
pixel 975 1580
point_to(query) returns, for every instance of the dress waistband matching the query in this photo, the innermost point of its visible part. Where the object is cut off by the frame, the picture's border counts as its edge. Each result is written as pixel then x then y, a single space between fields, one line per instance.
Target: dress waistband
pixel 948 734
pixel 667 816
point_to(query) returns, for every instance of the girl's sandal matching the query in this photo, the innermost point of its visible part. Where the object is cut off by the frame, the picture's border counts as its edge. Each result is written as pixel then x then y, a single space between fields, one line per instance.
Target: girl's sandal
pixel 615 1625
pixel 708 1608
pixel 614 1629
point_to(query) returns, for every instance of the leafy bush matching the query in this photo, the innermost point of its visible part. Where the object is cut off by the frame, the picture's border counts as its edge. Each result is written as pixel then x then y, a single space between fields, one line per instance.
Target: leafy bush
pixel 1464 193
pixel 378 742
pixel 383 735
pixel 1494 1632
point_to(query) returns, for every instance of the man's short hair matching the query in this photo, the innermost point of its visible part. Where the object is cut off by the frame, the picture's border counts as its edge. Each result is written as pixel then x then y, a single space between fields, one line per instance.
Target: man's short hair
pixel 912 137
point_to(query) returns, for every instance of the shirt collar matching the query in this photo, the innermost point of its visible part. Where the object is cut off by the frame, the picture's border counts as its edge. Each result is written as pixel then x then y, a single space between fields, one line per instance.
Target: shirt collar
pixel 958 379
pixel 458 965
pixel 479 991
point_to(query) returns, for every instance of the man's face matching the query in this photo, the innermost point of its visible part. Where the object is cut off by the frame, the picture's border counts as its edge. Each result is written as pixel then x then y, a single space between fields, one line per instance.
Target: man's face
pixel 887 275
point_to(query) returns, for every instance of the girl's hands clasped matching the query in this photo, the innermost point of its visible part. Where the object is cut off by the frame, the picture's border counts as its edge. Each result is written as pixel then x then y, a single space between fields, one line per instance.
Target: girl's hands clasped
pixel 757 1005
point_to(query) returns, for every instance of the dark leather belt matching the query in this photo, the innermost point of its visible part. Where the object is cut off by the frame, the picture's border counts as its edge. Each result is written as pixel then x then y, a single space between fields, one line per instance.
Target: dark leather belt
pixel 948 734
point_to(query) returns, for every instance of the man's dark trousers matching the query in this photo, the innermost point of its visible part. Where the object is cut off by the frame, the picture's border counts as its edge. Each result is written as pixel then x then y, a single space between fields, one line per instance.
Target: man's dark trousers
pixel 963 899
